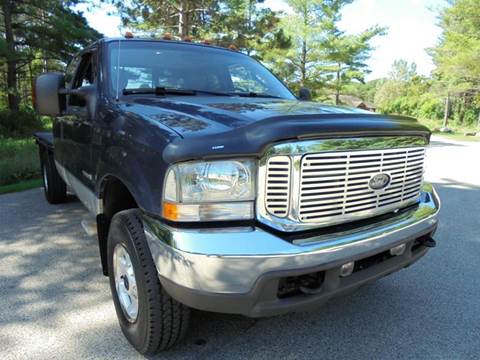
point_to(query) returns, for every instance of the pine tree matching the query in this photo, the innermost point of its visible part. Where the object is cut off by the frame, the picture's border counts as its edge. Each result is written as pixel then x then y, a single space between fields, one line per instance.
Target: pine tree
pixel 38 29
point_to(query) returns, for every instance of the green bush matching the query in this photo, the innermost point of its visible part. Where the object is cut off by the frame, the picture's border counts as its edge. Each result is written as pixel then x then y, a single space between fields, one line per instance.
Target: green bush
pixel 430 108
pixel 17 124
pixel 18 160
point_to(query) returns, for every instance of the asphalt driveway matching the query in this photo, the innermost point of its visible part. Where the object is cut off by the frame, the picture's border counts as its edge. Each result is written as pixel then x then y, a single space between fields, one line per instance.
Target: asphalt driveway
pixel 55 303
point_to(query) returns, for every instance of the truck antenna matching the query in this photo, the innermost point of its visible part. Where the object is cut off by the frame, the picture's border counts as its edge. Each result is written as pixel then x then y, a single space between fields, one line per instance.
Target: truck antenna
pixel 118 70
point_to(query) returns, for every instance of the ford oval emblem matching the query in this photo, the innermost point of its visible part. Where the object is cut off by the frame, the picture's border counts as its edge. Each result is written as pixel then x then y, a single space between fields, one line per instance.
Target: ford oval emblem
pixel 379 181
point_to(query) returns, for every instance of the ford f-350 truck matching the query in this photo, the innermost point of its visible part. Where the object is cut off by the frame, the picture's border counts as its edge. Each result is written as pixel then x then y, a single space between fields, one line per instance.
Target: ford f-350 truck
pixel 215 188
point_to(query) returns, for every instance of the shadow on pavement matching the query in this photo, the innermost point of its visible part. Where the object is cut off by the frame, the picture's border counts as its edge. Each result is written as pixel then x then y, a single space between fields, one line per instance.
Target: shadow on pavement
pixel 51 278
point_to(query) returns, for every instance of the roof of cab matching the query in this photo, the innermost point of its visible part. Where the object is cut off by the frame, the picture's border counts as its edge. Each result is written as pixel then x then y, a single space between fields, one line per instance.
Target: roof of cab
pixel 146 39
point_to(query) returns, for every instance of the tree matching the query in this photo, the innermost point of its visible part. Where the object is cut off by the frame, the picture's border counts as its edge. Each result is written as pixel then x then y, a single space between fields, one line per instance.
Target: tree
pixel 458 53
pixel 306 29
pixel 346 55
pixel 321 56
pixel 396 85
pixel 33 29
pixel 246 24
pixel 179 17
pixel 457 57
pixel 406 92
pixel 403 71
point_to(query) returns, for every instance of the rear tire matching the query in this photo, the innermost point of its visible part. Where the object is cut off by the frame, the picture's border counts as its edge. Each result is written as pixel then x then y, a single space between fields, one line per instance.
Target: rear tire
pixel 53 185
pixel 150 319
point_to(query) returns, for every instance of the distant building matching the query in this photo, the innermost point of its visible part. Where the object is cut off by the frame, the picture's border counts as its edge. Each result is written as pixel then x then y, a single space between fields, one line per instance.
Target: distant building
pixel 354 101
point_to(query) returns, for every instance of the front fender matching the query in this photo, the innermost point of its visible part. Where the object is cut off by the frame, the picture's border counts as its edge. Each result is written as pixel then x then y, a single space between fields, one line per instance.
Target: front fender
pixel 141 173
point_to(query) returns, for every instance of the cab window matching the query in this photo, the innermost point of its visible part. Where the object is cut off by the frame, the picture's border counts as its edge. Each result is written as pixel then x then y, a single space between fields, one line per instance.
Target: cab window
pixel 85 75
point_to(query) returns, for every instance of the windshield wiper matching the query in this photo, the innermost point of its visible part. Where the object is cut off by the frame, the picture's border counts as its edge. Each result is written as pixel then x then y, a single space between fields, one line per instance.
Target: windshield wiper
pixel 159 90
pixel 171 91
pixel 254 94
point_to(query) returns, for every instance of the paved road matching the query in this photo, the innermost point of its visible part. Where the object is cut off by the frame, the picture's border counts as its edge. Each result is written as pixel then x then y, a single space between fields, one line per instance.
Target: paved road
pixel 55 304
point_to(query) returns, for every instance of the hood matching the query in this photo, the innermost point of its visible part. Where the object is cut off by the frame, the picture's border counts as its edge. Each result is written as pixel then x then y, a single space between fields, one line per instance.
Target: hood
pixel 216 126
pixel 196 116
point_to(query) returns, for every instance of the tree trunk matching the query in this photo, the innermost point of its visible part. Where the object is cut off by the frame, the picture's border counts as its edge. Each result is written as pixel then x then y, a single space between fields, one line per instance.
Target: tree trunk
pixel 461 116
pixel 447 111
pixel 183 23
pixel 31 79
pixel 11 56
pixel 303 63
pixel 337 87
pixel 44 55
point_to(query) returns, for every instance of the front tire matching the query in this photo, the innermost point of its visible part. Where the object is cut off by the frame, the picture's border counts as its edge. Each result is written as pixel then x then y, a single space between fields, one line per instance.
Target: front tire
pixel 149 318
pixel 54 187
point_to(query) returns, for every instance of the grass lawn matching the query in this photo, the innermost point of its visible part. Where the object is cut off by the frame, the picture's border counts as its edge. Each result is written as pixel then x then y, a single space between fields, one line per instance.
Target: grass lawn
pixel 21 186
pixel 458 130
pixel 458 136
pixel 18 161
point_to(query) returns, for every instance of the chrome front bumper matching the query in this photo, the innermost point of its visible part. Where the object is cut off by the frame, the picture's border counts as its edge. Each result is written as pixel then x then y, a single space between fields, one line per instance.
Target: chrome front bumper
pixel 230 261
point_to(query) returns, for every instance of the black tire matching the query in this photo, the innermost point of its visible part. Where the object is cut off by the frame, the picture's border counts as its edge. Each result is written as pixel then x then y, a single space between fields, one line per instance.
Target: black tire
pixel 161 321
pixel 53 185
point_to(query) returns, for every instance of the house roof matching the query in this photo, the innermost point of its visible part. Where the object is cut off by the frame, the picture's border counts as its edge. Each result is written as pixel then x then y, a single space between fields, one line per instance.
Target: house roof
pixel 355 101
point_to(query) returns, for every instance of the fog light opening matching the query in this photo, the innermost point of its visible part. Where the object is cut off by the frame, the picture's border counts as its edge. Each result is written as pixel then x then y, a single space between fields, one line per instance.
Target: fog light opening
pixel 307 284
pixel 347 269
pixel 398 250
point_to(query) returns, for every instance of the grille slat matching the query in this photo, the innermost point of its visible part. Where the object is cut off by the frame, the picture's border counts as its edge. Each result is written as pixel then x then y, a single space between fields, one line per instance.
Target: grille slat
pixel 335 185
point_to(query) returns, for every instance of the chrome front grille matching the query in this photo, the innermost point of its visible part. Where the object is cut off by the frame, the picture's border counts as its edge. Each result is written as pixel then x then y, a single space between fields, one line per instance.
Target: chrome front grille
pixel 277 187
pixel 314 183
pixel 335 185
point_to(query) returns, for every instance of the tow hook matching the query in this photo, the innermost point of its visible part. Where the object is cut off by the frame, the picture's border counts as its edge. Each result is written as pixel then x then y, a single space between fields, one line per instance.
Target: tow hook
pixel 427 241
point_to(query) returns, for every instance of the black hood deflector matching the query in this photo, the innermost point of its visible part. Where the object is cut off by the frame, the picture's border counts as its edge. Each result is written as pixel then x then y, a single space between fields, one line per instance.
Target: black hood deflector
pixel 252 139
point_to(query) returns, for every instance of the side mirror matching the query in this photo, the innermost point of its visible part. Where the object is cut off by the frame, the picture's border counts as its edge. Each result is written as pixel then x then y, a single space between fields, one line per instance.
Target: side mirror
pixel 89 94
pixel 305 94
pixel 48 98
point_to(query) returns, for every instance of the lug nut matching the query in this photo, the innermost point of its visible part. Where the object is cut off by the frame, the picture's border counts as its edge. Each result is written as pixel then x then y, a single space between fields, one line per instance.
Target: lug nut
pixel 347 269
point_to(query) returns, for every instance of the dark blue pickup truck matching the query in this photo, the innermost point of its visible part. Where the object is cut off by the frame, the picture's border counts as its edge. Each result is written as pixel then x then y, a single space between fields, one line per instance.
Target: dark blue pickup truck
pixel 215 188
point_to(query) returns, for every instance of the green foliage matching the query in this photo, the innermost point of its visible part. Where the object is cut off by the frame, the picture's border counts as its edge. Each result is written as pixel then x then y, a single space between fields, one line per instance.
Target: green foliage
pixel 407 93
pixel 245 24
pixel 403 71
pixel 19 123
pixel 458 54
pixel 39 36
pixel 21 186
pixel 18 160
pixel 321 56
pixel 306 27
pixel 346 55
pixel 179 17
pixel 248 26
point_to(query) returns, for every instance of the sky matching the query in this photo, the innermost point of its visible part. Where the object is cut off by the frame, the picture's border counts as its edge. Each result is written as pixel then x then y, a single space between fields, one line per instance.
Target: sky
pixel 411 28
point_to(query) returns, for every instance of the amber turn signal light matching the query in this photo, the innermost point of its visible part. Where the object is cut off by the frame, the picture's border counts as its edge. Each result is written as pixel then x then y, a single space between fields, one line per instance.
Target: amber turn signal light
pixel 170 211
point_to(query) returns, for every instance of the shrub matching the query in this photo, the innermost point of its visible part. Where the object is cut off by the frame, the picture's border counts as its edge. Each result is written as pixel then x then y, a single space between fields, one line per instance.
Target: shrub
pixel 18 124
pixel 430 108
pixel 18 160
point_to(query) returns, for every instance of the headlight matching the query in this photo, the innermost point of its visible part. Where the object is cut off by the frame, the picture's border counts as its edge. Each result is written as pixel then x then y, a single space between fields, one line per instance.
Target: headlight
pixel 210 190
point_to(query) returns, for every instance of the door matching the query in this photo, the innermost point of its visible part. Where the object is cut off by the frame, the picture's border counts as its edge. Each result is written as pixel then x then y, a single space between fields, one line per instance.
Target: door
pixel 76 130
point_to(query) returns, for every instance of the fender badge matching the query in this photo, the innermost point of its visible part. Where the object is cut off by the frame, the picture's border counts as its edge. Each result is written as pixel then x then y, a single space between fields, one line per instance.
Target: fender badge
pixel 218 147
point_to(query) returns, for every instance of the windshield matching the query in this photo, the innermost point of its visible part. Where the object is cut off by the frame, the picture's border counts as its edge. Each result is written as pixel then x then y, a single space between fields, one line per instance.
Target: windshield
pixel 150 65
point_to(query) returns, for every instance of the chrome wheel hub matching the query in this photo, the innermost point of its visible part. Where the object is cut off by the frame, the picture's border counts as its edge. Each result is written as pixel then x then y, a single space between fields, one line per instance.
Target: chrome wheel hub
pixel 125 282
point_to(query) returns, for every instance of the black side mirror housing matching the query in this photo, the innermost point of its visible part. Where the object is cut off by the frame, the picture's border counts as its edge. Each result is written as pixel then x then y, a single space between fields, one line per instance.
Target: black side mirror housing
pixel 89 93
pixel 305 94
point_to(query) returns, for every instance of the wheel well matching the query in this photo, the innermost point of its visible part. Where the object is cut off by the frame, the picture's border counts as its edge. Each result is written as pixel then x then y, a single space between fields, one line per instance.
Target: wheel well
pixel 115 198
